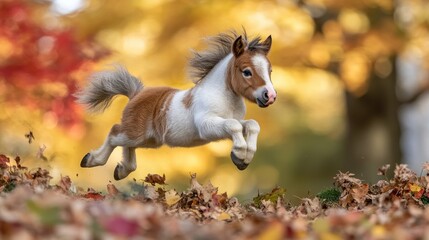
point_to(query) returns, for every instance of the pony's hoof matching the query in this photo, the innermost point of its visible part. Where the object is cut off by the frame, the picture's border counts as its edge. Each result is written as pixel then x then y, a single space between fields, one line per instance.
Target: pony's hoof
pixel 116 173
pixel 239 163
pixel 84 162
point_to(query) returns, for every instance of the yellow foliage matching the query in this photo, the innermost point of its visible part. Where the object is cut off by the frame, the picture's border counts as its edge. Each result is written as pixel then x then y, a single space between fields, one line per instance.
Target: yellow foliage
pixel 415 188
pixel 273 232
pixel 171 197
pixel 223 216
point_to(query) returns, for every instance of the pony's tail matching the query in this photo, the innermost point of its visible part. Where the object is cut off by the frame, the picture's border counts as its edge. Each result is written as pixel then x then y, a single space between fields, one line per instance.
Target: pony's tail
pixel 104 85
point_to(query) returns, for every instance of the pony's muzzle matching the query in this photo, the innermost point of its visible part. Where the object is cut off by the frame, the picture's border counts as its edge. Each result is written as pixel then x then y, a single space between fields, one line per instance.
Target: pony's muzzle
pixel 266 98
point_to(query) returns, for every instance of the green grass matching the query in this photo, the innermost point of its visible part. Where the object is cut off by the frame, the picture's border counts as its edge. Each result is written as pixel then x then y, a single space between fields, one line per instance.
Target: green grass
pixel 330 196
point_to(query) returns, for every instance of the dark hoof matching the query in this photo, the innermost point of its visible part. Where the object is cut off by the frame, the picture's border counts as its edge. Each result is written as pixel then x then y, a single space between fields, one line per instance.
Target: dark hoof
pixel 84 162
pixel 116 173
pixel 241 165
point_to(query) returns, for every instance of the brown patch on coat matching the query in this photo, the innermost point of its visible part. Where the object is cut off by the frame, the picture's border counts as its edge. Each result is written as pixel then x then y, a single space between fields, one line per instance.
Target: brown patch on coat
pixel 147 111
pixel 239 84
pixel 187 100
pixel 116 129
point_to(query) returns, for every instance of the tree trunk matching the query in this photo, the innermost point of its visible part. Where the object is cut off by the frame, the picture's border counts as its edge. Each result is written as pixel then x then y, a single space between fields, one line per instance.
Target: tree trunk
pixel 373 133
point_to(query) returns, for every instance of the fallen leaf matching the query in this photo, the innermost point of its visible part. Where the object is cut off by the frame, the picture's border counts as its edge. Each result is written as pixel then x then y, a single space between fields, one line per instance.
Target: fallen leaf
pixel 150 192
pixel 223 216
pixel 414 187
pixel 379 232
pixel 359 193
pixel 112 190
pixel 47 215
pixel 171 197
pixel 346 180
pixel 119 225
pixel 382 170
pixel 4 161
pixel 40 153
pixel 65 183
pixel 30 137
pixel 195 185
pixel 274 231
pixel 155 179
pixel 93 196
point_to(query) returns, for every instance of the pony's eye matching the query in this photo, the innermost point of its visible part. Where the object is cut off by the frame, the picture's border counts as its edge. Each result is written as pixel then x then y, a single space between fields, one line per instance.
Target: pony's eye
pixel 247 73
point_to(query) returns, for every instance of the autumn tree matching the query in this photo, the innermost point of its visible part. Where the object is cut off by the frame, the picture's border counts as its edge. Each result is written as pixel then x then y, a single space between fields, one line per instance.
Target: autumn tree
pixel 41 60
pixel 360 41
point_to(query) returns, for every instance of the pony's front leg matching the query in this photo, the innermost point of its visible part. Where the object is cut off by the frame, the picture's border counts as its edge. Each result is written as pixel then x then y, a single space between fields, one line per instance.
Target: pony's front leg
pixel 251 130
pixel 216 128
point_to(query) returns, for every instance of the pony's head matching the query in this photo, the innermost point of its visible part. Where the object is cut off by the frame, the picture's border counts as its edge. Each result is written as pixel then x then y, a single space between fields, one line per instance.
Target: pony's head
pixel 249 72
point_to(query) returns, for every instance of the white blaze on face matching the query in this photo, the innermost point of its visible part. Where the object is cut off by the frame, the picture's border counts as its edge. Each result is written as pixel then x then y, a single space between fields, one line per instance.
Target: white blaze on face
pixel 261 65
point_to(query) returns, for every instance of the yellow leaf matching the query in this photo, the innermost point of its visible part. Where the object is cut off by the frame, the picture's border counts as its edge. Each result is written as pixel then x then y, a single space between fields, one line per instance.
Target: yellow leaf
pixel 223 216
pixel 321 225
pixel 330 236
pixel 171 197
pixel 273 232
pixel 415 188
pixel 378 232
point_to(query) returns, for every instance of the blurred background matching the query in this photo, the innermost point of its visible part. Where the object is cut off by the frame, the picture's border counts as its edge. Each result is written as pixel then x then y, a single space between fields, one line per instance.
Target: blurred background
pixel 352 78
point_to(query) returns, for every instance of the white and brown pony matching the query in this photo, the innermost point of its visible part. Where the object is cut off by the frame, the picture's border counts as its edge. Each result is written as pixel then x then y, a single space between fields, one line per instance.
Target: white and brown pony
pixel 233 68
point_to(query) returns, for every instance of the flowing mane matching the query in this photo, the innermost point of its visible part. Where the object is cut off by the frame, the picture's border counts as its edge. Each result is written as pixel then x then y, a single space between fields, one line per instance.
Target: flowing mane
pixel 202 62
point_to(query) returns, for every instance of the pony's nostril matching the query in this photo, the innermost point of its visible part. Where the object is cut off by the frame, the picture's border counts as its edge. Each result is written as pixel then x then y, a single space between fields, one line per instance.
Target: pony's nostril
pixel 265 95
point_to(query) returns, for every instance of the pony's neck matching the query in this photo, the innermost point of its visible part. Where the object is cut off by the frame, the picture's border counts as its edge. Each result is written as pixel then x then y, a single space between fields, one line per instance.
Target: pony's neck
pixel 218 75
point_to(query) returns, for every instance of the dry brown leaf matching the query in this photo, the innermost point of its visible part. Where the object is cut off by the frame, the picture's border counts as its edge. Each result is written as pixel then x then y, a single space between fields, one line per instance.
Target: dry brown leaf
pixel 30 137
pixel 346 180
pixel 40 153
pixel 195 185
pixel 359 193
pixel 65 183
pixel 112 190
pixel 4 161
pixel 155 179
pixel 382 170
pixel 150 192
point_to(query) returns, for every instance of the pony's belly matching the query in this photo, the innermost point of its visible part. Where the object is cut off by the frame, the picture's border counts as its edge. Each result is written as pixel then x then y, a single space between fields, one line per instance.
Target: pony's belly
pixel 186 143
pixel 183 137
pixel 182 133
pixel 181 130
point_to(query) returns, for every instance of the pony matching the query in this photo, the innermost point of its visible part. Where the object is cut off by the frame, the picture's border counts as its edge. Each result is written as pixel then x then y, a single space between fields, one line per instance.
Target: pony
pixel 232 69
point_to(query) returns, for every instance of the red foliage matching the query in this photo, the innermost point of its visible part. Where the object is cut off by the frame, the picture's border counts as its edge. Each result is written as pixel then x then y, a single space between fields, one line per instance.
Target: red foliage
pixel 4 161
pixel 33 57
pixel 93 196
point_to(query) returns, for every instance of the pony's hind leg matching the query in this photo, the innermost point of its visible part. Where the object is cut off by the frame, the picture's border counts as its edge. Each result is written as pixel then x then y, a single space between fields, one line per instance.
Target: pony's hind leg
pixel 100 156
pixel 127 165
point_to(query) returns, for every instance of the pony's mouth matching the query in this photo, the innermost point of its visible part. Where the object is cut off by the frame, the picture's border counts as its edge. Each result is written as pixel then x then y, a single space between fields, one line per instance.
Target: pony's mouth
pixel 261 104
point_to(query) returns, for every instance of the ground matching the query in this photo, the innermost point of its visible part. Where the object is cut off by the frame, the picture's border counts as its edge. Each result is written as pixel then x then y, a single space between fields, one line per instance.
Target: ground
pixel 31 207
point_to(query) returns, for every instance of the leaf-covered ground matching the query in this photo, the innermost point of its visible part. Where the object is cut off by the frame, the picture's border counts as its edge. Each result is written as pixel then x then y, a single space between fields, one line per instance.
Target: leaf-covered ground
pixel 31 207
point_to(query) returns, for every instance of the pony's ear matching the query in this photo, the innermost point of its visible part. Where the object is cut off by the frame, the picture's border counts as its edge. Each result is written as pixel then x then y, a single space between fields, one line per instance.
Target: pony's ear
pixel 238 46
pixel 267 44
